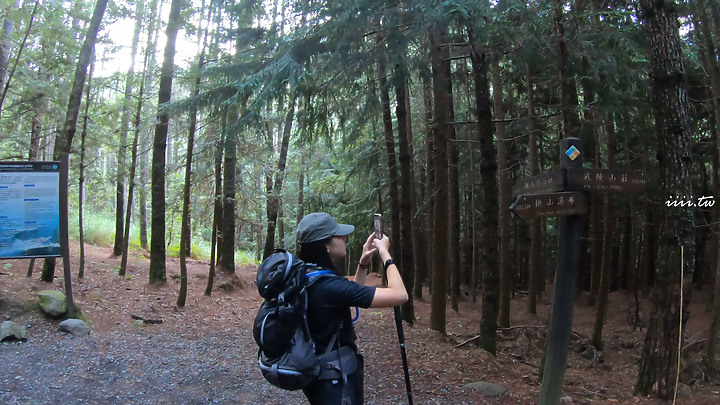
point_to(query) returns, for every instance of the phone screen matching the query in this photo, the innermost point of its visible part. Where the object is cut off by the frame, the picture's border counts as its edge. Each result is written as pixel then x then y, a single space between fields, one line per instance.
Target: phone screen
pixel 377 222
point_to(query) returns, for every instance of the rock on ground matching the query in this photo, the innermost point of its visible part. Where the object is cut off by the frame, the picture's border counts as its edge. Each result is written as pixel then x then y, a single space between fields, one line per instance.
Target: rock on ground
pixel 75 327
pixel 11 331
pixel 52 303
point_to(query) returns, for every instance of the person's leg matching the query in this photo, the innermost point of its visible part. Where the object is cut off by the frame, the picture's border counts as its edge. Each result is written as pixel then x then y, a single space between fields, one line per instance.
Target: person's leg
pixel 356 382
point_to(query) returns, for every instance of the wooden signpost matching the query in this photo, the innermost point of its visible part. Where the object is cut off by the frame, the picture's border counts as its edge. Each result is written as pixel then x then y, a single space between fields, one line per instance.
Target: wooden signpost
pixel 529 206
pixel 564 194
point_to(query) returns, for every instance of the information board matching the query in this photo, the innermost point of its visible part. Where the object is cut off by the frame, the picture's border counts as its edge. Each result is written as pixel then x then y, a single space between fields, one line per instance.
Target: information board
pixel 29 209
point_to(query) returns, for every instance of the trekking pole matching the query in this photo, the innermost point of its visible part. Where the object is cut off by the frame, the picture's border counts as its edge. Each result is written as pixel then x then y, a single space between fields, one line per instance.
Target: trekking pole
pixel 401 338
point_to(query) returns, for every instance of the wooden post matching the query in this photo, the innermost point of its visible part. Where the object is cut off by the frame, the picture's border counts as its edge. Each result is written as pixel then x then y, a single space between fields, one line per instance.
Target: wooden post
pixel 564 193
pixel 570 228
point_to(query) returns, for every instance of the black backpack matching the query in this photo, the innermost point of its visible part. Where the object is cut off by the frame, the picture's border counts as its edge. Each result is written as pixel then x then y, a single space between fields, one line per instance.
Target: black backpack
pixel 287 356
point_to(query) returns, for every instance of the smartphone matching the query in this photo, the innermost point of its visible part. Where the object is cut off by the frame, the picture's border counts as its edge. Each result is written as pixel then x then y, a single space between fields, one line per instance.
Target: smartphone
pixel 377 222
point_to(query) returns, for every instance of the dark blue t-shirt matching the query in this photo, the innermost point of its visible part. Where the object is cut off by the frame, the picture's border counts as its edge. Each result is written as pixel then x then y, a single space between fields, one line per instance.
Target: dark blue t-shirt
pixel 329 302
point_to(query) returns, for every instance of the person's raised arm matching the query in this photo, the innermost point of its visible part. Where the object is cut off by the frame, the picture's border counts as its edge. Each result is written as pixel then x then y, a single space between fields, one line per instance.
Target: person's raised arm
pixel 369 250
pixel 395 293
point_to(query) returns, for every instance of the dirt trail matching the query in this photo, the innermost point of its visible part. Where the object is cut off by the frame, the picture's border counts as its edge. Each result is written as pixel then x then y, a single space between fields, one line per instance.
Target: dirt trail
pixel 204 353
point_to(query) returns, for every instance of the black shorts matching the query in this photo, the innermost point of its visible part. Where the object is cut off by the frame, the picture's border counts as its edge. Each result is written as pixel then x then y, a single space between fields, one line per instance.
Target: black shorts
pixel 330 392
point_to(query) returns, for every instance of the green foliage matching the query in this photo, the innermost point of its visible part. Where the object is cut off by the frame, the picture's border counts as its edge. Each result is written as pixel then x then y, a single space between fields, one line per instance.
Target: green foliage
pixel 98 229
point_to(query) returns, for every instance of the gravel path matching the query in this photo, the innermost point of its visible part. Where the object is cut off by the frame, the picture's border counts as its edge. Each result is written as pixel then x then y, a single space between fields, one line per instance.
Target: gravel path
pixel 134 368
pixel 152 366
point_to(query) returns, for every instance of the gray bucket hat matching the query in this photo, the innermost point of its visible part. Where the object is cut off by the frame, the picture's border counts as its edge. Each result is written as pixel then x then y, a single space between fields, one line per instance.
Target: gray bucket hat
pixel 319 226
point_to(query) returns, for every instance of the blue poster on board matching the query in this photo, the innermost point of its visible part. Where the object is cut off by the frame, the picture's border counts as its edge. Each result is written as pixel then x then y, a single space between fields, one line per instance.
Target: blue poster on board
pixel 29 209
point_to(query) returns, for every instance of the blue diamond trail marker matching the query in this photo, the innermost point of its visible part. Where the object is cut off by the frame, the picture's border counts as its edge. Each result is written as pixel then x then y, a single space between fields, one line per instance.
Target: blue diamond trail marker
pixel 572 152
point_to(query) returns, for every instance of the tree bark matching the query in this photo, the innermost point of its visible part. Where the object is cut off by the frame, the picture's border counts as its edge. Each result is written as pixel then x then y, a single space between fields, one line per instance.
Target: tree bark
pixel 227 249
pixel 425 271
pixel 274 194
pixel 441 130
pixel 391 164
pixel 606 272
pixel 10 75
pixel 453 242
pixel 81 176
pixel 64 141
pixel 133 169
pixel 670 103
pixel 36 125
pixel 418 236
pixel 153 34
pixel 185 227
pixel 124 129
pixel 703 22
pixel 6 43
pixel 407 193
pixel 157 241
pixel 569 116
pixel 536 240
pixel 489 209
pixel 216 242
pixel 301 196
pixel 506 270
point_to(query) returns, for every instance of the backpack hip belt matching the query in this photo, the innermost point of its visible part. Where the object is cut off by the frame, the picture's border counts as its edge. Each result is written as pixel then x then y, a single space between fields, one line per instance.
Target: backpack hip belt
pixel 338 364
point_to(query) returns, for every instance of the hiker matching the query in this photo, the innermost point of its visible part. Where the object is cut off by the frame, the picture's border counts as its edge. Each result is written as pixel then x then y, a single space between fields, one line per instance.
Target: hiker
pixel 322 241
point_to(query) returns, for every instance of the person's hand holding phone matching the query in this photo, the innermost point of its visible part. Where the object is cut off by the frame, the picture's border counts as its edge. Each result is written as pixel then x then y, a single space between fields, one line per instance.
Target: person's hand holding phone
pixel 369 250
pixel 382 246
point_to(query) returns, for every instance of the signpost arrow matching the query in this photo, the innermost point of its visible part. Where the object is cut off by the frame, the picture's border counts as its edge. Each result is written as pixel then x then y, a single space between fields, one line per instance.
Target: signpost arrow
pixel 542 183
pixel 606 180
pixel 531 206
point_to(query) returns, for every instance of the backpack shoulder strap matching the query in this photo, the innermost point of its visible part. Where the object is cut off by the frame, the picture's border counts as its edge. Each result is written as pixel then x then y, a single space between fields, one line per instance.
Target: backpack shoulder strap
pixel 316 275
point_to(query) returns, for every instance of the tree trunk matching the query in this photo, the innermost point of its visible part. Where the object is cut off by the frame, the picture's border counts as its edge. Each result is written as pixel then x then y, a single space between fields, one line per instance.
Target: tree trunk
pixel 6 44
pixel 392 166
pixel 185 227
pixel 536 239
pixel 81 180
pixel 506 269
pixel 425 271
pixel 441 131
pixel 301 196
pixel 36 126
pixel 569 116
pixel 64 141
pixel 647 255
pixel 408 191
pixel 476 226
pixel 453 242
pixel 592 155
pixel 10 75
pixel 216 242
pixel 34 151
pixel 704 24
pixel 606 272
pixel 124 128
pixel 227 249
pixel 157 241
pixel 153 33
pixel 274 194
pixel 133 169
pixel 489 209
pixel 703 21
pixel 658 359
pixel 418 236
